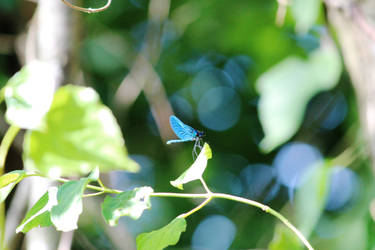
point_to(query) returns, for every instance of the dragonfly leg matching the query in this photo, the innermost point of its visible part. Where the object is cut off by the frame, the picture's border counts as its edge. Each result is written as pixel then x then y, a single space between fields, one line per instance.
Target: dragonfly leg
pixel 196 143
pixel 194 152
pixel 199 143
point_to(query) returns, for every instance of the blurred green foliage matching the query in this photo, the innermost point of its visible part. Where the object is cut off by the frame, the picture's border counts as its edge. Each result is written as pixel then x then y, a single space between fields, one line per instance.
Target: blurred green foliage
pixel 206 45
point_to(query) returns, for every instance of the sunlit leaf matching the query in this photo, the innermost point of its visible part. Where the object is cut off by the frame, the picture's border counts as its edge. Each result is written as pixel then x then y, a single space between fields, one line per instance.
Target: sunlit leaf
pixel 29 94
pixel 130 203
pixel 284 239
pixel 69 205
pixel 94 175
pixel 9 181
pixel 196 170
pixel 311 199
pixel 39 214
pixel 163 237
pixel 306 13
pixel 286 89
pixel 79 134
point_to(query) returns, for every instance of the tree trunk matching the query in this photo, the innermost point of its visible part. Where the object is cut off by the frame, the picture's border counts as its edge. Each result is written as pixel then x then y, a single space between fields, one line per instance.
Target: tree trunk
pixel 353 21
pixel 47 39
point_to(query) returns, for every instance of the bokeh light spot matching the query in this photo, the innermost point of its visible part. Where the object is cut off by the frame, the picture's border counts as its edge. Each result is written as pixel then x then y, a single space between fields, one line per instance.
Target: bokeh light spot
pixel 182 107
pixel 293 161
pixel 204 81
pixel 342 188
pixel 215 232
pixel 257 180
pixel 126 180
pixel 219 108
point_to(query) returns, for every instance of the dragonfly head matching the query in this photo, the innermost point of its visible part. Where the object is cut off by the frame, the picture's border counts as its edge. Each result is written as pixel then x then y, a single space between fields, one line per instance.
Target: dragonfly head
pixel 200 134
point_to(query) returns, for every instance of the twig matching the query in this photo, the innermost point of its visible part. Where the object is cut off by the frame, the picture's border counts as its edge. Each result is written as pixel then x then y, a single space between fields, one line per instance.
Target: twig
pixel 66 240
pixel 88 10
pixel 281 12
pixel 143 77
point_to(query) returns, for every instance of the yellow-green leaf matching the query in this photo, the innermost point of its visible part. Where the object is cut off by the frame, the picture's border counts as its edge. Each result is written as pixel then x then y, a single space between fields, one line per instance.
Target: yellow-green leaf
pixel 79 134
pixel 196 170
pixel 8 181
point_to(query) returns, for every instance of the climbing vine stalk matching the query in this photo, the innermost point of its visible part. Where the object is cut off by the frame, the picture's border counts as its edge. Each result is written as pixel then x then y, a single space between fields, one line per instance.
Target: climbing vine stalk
pixel 208 197
pixel 4 148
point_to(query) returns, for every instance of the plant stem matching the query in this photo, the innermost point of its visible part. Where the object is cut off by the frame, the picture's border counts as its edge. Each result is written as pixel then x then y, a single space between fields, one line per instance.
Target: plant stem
pixel 208 197
pixel 93 187
pixel 2 225
pixel 92 195
pixel 101 183
pixel 205 185
pixel 204 203
pixel 2 94
pixel 267 209
pixel 178 195
pixel 5 145
pixel 4 148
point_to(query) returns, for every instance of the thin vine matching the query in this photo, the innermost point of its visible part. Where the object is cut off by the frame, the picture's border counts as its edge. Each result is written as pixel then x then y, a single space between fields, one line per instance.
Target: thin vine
pixel 208 197
pixel 87 10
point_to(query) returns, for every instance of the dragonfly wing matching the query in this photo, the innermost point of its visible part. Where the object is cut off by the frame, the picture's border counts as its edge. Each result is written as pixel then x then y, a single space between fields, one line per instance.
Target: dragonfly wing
pixel 183 131
pixel 175 141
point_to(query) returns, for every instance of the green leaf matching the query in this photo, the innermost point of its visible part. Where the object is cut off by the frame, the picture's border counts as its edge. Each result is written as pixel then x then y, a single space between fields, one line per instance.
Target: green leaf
pixel 286 89
pixel 196 170
pixel 306 13
pixel 29 94
pixel 39 214
pixel 130 203
pixel 79 134
pixel 9 181
pixel 165 236
pixel 69 205
pixel 284 239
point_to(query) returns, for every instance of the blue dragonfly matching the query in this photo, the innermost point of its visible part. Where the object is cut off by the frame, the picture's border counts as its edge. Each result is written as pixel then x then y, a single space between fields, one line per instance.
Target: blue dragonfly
pixel 185 133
